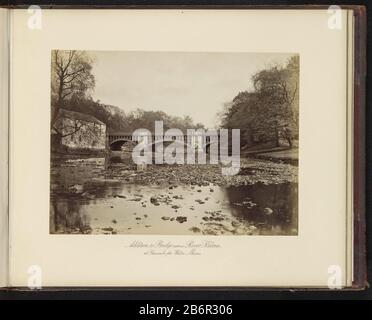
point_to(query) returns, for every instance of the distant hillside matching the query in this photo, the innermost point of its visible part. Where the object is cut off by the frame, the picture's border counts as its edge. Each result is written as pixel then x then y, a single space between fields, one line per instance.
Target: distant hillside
pixel 116 119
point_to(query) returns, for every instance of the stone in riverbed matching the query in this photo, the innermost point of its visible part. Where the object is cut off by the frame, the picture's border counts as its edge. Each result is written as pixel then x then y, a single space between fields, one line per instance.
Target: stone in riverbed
pixel 268 211
pixel 135 199
pixel 181 219
pixel 154 201
pixel 86 229
pixel 165 218
pixel 76 188
pixel 119 196
pixel 249 204
pixel 235 224
pixel 138 195
pixel 195 229
pixel 108 229
pixel 210 232
pixel 177 197
pixel 88 195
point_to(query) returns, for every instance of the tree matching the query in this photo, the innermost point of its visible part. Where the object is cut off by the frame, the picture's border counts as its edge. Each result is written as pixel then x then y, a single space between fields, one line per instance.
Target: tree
pixel 71 77
pixel 270 111
pixel 278 90
pixel 140 118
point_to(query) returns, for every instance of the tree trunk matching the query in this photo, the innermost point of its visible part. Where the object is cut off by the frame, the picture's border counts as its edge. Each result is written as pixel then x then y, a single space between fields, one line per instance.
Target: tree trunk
pixel 56 142
pixel 54 116
pixel 277 142
pixel 289 140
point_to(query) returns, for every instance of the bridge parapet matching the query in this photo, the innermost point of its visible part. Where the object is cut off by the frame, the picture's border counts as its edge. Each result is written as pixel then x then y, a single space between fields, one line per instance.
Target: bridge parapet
pixel 130 137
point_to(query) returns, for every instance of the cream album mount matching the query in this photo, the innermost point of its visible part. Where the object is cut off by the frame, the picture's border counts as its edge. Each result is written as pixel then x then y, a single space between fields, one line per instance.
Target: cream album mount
pixel 182 147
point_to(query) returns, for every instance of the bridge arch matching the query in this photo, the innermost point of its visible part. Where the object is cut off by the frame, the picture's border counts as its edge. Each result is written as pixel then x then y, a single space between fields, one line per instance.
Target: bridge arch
pixel 118 144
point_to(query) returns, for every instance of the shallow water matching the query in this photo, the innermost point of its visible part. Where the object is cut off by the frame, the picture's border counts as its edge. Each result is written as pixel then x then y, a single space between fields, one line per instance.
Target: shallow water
pixel 113 207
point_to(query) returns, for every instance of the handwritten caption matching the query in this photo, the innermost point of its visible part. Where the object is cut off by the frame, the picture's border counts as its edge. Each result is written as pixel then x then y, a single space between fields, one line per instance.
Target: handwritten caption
pixel 168 248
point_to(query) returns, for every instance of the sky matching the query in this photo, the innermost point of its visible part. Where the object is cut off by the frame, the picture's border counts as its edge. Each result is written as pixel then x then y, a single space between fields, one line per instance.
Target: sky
pixel 194 84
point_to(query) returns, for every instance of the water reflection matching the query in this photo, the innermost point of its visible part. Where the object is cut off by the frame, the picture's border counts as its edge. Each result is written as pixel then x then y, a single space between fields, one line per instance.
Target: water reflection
pixel 112 207
pixel 272 207
pixel 68 216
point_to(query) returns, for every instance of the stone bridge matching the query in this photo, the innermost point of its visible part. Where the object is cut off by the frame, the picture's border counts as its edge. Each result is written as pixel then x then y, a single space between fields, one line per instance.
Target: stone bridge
pixel 115 140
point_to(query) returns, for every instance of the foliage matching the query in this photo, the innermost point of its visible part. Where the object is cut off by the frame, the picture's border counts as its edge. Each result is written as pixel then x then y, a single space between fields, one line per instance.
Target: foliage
pixel 270 111
pixel 118 120
pixel 146 119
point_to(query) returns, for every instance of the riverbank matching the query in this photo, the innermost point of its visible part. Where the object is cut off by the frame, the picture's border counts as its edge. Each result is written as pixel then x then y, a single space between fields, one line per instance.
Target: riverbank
pixel 252 171
pixel 289 156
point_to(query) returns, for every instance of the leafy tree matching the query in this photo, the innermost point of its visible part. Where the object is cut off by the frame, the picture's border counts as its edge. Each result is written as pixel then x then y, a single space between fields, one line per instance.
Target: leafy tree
pixel 270 111
pixel 146 120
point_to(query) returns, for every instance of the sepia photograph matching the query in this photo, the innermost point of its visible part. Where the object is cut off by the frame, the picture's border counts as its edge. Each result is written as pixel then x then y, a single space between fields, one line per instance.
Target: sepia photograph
pixel 194 134
pixel 174 143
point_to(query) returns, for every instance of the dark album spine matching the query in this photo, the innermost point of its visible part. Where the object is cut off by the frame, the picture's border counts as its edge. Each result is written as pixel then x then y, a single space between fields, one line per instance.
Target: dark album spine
pixel 4 144
pixel 360 69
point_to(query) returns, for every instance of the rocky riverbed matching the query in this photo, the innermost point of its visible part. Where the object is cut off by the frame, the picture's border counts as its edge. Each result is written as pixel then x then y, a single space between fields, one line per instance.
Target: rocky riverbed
pixel 177 199
pixel 251 171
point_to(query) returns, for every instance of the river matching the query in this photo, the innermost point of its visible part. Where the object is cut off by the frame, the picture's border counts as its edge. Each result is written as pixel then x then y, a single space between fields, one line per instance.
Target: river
pixel 86 199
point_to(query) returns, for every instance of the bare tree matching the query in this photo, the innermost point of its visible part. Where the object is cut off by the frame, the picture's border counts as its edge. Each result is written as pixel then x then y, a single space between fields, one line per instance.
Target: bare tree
pixel 71 76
